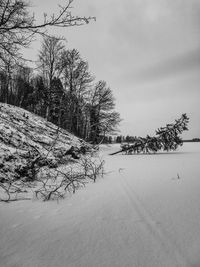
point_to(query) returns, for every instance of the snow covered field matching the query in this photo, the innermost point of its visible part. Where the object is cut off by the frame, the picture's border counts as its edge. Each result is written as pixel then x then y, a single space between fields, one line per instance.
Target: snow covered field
pixel 144 213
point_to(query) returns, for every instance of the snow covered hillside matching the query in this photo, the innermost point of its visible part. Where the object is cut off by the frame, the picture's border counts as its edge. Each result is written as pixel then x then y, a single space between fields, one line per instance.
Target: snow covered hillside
pixel 24 135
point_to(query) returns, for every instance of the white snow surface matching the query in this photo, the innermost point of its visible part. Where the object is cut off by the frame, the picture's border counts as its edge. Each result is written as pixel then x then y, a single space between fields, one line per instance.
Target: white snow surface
pixel 145 212
pixel 23 133
pixel 21 128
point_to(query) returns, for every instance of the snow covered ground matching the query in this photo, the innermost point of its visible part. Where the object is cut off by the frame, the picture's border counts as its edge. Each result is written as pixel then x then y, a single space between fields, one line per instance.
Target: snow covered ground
pixel 24 136
pixel 144 213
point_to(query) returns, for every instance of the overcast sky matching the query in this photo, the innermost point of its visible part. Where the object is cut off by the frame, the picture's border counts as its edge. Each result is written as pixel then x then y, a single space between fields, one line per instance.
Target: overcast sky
pixel 148 52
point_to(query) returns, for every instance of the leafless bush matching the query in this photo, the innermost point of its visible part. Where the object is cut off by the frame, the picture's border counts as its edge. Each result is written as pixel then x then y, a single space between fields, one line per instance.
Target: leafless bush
pixel 49 186
pixel 54 184
pixel 92 167
pixel 13 190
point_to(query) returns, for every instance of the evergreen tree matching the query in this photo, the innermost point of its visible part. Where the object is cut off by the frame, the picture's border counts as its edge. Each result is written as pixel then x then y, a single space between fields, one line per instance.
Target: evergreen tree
pixel 57 100
pixel 167 138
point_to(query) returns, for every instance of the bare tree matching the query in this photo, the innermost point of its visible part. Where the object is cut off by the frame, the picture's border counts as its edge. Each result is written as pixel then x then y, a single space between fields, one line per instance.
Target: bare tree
pixel 50 58
pixel 18 27
pixel 103 117
pixel 50 64
pixel 77 82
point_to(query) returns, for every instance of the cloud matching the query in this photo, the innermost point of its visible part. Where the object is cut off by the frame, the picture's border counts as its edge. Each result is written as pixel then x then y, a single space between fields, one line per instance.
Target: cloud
pixel 178 65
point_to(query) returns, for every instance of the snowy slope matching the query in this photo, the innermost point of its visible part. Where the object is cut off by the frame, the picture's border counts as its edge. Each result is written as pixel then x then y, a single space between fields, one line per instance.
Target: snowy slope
pixel 140 215
pixel 22 133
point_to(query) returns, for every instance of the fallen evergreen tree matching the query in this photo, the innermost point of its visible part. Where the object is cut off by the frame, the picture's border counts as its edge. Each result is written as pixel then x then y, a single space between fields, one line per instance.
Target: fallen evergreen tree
pixel 166 139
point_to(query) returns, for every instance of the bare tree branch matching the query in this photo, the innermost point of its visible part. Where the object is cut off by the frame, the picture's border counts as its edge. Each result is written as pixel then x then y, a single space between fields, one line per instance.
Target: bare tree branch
pixel 18 27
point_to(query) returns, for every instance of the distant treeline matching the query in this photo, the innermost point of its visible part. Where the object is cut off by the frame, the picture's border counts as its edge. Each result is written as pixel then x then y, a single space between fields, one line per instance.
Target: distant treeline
pixel 62 90
pixel 131 139
pixel 192 140
pixel 124 139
